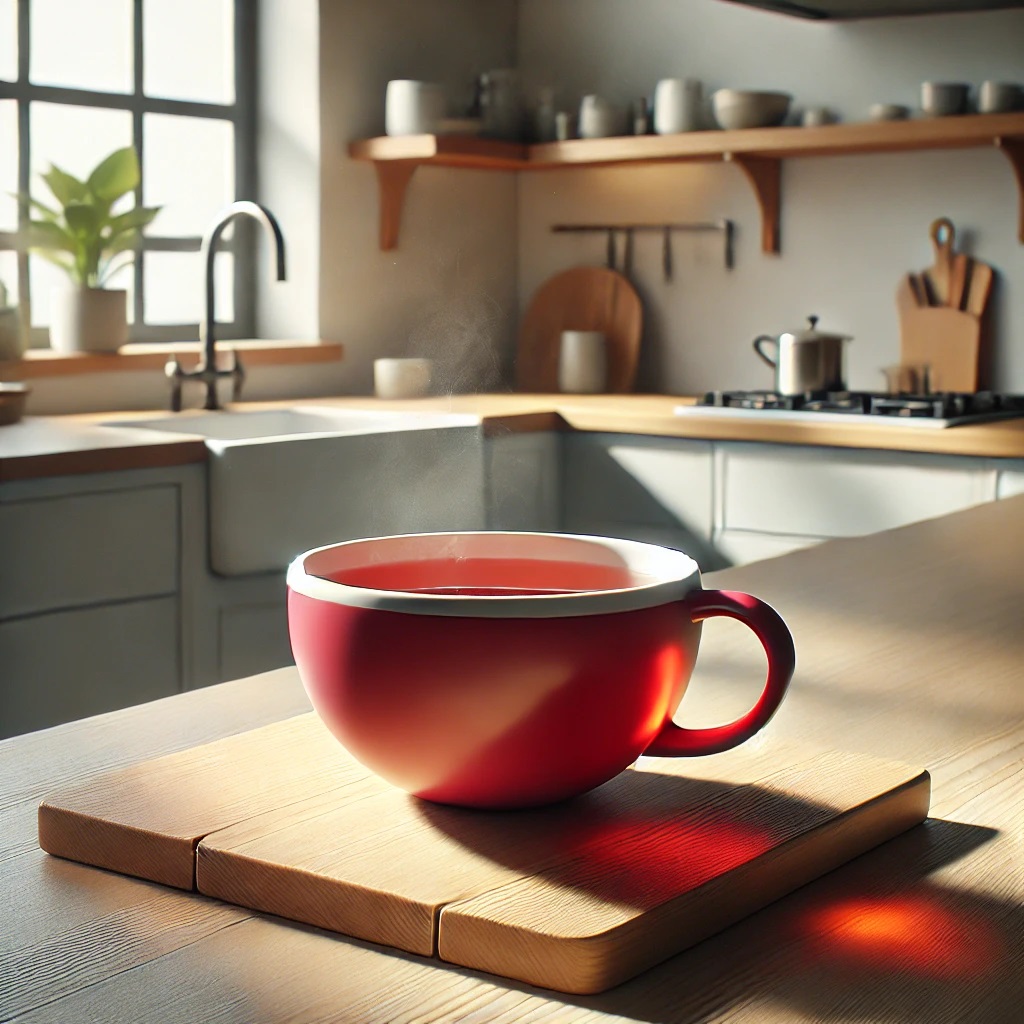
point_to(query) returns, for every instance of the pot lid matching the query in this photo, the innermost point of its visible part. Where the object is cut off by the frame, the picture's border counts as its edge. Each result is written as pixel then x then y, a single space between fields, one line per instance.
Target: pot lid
pixel 812 333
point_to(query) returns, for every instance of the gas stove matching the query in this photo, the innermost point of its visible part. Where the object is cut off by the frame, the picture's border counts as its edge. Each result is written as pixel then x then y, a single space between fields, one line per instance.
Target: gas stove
pixel 943 409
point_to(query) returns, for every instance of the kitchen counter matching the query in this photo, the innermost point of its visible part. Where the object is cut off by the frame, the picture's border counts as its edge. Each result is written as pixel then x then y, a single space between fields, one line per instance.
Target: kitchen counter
pixel 909 647
pixel 45 446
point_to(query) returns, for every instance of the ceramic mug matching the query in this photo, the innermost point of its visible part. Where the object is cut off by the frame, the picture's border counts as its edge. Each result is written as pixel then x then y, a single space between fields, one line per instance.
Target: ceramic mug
pixel 500 670
pixel 413 108
pixel 943 99
pixel 402 378
pixel 998 97
pixel 678 105
pixel 583 362
pixel 599 118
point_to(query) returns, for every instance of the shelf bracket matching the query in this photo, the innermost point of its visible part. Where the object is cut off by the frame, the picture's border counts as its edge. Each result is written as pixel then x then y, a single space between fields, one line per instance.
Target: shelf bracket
pixel 1014 150
pixel 392 178
pixel 765 176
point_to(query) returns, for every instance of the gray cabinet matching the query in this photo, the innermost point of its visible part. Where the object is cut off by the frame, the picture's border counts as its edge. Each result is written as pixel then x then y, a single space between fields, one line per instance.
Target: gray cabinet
pixel 658 490
pixel 522 482
pixel 92 615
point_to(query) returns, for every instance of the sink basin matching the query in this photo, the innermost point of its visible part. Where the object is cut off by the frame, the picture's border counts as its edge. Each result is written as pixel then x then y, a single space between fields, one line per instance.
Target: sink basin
pixel 281 481
pixel 257 424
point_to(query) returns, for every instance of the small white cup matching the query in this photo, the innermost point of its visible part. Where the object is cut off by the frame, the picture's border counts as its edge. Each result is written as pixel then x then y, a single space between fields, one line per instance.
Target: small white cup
pixel 599 118
pixel 583 363
pixel 402 378
pixel 998 97
pixel 678 105
pixel 413 108
pixel 814 117
pixel 943 99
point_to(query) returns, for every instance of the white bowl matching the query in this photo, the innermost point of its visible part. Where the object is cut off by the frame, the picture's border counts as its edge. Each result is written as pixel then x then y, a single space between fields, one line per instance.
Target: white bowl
pixel 744 108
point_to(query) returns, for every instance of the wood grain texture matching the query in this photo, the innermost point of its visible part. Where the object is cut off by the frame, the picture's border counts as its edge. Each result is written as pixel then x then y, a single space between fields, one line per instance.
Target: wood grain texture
pixel 945 340
pixel 909 646
pixel 146 820
pixel 576 897
pixel 580 299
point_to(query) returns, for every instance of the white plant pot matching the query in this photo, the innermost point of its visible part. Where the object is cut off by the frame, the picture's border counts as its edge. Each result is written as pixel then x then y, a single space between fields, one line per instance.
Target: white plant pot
pixel 88 319
pixel 11 346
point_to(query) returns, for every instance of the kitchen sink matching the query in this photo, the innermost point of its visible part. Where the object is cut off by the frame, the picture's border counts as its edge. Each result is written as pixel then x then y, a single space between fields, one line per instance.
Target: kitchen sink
pixel 258 424
pixel 281 481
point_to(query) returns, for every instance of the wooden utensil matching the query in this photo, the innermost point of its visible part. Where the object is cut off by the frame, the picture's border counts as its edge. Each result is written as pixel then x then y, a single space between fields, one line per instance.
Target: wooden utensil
pixel 939 275
pixel 959 277
pixel 580 299
pixel 945 340
pixel 976 297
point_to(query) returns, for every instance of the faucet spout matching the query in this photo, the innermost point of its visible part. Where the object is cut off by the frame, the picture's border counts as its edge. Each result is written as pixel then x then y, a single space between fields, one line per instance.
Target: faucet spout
pixel 207 371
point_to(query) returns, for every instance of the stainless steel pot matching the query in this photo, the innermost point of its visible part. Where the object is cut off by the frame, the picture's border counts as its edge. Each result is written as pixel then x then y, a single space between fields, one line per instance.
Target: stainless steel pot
pixel 808 360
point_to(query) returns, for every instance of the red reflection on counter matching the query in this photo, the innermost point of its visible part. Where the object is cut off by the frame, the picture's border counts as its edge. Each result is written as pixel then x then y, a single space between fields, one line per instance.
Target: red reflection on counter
pixel 916 932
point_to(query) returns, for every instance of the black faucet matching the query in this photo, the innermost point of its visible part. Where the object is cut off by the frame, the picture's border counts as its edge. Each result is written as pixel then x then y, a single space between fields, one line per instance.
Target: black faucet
pixel 207 371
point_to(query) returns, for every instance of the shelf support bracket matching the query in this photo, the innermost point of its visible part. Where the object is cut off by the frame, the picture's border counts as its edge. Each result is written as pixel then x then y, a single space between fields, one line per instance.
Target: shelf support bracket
pixel 765 176
pixel 392 178
pixel 1014 150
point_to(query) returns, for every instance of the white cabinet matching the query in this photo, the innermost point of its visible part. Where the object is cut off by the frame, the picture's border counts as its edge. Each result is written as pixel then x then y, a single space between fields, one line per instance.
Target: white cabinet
pixel 771 499
pixel 1010 480
pixel 653 489
pixel 522 474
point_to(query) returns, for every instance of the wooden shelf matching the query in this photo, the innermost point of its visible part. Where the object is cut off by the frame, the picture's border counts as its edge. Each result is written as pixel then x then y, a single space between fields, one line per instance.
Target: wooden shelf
pixel 758 152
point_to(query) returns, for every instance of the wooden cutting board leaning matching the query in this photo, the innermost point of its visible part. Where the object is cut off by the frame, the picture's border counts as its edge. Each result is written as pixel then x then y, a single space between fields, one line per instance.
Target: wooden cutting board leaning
pixel 580 299
pixel 942 317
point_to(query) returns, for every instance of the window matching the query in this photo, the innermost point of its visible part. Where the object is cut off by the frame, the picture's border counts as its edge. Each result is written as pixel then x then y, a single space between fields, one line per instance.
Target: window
pixel 173 77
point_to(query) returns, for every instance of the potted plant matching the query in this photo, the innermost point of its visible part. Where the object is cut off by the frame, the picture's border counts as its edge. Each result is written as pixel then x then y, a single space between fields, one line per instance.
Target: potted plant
pixel 84 237
pixel 10 328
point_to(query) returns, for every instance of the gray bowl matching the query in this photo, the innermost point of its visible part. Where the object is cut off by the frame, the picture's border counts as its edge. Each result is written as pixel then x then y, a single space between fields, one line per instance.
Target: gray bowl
pixel 746 108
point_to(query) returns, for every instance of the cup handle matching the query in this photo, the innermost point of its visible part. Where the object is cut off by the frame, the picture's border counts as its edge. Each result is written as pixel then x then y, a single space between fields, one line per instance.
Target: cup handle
pixel 677 741
pixel 759 342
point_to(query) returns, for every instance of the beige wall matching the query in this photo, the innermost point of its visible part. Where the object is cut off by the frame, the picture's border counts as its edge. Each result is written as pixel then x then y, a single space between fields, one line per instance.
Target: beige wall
pixel 449 290
pixel 850 226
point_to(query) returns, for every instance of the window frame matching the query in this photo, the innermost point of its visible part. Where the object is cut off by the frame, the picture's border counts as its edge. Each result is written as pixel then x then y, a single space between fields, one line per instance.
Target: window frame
pixel 241 113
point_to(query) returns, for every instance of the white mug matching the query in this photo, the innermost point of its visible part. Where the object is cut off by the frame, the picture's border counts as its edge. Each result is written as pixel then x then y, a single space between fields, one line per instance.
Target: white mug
pixel 943 99
pixel 402 378
pixel 413 108
pixel 998 97
pixel 599 118
pixel 583 363
pixel 678 105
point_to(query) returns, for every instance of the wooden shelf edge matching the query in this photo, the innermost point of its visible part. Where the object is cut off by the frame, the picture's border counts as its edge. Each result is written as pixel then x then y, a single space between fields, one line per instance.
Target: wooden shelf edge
pixel 45 362
pixel 757 151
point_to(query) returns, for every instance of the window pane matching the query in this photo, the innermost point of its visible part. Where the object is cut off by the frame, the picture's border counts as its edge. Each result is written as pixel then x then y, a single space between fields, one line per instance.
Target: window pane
pixel 9 40
pixel 9 275
pixel 8 165
pixel 74 138
pixel 42 276
pixel 189 46
pixel 173 283
pixel 189 169
pixel 84 45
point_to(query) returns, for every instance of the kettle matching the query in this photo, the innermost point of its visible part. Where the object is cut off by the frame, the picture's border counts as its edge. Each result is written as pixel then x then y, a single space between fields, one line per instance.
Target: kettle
pixel 808 360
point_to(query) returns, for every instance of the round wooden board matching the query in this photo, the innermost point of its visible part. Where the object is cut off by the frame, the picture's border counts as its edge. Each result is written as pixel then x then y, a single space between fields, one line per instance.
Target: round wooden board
pixel 580 299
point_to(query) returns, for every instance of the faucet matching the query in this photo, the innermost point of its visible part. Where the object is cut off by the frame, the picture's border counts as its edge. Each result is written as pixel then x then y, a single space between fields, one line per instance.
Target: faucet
pixel 207 371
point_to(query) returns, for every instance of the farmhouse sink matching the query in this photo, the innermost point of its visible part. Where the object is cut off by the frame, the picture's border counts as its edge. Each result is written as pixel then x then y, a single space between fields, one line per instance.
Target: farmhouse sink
pixel 281 481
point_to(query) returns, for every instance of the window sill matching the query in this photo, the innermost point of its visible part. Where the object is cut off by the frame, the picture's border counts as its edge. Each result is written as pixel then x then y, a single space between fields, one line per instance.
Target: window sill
pixel 45 362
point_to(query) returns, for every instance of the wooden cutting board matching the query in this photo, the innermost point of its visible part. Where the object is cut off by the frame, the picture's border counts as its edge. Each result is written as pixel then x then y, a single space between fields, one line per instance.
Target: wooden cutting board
pixel 576 897
pixel 580 299
pixel 945 340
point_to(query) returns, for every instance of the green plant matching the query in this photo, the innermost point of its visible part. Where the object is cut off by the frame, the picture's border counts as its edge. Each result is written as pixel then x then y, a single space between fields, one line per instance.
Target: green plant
pixel 84 237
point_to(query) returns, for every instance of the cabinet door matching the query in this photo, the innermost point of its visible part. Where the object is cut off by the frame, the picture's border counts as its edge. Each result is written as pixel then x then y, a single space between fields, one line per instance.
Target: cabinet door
pixel 1010 481
pixel 66 665
pixel 254 638
pixel 831 492
pixel 522 482
pixel 85 549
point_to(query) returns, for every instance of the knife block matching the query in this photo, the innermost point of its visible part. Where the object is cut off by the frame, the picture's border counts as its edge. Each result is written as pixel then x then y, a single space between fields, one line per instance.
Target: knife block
pixel 947 341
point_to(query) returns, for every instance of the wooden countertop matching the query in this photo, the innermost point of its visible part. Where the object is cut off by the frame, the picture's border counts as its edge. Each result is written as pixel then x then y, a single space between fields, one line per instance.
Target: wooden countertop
pixel 909 646
pixel 50 445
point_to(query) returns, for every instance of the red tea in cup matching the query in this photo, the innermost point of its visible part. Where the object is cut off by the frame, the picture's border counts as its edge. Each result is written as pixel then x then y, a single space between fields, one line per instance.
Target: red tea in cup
pixel 500 670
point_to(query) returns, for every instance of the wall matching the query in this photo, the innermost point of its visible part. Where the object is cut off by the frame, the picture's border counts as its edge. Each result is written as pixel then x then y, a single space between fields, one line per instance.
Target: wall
pixel 851 226
pixel 449 289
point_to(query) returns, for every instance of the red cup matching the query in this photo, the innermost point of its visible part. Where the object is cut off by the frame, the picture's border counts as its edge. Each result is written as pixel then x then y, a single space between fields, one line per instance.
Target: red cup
pixel 500 670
